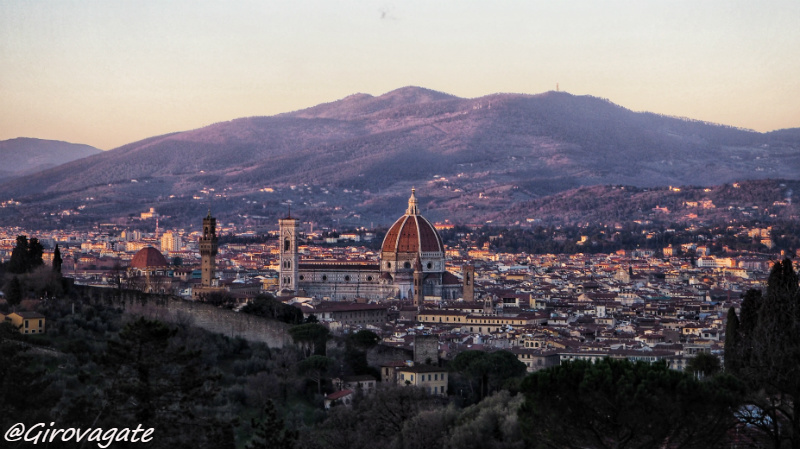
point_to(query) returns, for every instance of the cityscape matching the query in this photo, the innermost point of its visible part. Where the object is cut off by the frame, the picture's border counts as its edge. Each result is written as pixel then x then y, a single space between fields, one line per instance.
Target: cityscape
pixel 424 302
pixel 231 226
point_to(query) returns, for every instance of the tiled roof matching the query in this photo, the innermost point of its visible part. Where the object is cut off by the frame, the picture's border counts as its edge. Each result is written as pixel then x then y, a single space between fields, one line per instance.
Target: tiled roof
pixel 339 394
pixel 412 234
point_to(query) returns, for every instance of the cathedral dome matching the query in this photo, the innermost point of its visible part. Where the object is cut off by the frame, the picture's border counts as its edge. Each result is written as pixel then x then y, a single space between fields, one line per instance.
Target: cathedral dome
pixel 148 258
pixel 412 233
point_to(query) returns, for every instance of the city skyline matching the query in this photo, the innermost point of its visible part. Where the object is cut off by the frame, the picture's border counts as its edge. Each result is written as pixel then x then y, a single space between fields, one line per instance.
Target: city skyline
pixel 111 73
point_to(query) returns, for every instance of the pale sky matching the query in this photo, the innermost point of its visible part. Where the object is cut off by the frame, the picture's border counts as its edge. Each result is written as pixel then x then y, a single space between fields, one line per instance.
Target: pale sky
pixel 107 73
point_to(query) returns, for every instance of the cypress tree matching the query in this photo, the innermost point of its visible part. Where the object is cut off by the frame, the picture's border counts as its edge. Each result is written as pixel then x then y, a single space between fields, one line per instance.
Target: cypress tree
pixel 769 329
pixel 732 342
pixel 57 261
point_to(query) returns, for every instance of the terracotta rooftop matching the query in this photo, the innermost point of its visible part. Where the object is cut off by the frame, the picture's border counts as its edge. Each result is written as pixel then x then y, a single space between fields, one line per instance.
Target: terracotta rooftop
pixel 148 257
pixel 339 394
pixel 412 233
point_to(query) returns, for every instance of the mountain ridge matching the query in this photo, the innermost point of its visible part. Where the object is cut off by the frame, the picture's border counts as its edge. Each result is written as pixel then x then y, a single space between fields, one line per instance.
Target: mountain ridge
pixel 26 155
pixel 362 153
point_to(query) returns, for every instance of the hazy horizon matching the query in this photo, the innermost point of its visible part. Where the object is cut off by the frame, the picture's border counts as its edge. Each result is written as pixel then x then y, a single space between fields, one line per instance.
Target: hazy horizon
pixel 110 73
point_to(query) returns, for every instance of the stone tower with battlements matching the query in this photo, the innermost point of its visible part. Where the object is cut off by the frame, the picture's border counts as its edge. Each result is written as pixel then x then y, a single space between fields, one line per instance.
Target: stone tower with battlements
pixel 208 250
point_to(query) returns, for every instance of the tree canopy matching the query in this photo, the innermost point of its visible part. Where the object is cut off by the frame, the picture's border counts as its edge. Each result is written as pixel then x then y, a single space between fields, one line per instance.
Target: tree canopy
pixel 365 339
pixel 158 383
pixel 267 306
pixel 485 372
pixel 704 364
pixel 26 255
pixel 13 291
pixel 270 432
pixel 315 367
pixel 621 404
pixel 765 352
pixel 311 337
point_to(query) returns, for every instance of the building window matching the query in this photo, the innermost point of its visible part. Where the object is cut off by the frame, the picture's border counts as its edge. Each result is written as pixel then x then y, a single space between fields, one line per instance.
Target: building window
pixel 347 278
pixel 430 265
pixel 302 277
pixel 369 278
pixel 324 277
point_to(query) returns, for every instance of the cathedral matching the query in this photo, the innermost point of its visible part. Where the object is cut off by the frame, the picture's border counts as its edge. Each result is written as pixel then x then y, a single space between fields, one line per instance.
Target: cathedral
pixel 411 266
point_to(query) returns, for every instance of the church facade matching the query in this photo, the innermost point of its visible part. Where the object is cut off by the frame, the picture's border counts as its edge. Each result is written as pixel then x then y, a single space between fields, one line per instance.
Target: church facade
pixel 411 266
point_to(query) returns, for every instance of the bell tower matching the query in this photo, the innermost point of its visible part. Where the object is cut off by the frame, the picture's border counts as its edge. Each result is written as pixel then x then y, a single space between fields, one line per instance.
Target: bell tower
pixel 208 250
pixel 290 258
pixel 469 282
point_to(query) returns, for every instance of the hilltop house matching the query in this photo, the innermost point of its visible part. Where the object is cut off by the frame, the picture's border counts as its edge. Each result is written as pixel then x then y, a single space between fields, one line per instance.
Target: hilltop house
pixel 27 322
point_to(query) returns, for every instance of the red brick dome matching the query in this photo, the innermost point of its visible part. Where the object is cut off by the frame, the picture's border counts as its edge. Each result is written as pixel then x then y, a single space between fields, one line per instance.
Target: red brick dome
pixel 412 233
pixel 148 258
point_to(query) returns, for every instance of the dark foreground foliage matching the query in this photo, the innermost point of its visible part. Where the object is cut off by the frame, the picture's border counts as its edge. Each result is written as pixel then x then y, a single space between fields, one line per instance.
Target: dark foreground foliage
pixel 98 367
pixel 618 403
pixel 762 348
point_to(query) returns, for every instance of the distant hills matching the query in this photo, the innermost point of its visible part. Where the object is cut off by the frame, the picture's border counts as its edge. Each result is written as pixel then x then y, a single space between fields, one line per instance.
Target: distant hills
pixel 23 156
pixel 355 160
pixel 761 201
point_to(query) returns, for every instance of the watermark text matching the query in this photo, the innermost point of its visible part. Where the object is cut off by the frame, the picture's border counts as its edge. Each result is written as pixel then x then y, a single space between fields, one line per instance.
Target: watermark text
pixel 41 433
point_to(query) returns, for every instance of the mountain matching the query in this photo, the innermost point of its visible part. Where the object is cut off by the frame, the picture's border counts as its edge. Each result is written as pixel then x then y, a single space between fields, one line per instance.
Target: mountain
pixel 24 155
pixel 357 158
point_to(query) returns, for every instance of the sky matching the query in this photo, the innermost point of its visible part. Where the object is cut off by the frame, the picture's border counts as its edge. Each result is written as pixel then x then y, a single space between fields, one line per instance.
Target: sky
pixel 106 73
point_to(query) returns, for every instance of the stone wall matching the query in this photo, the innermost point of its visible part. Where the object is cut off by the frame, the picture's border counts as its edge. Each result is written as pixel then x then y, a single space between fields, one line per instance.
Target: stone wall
pixel 205 316
pixel 213 319
pixel 380 355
